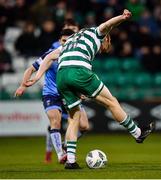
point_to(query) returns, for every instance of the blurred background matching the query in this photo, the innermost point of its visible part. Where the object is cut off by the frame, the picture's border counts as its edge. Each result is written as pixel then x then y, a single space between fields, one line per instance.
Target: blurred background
pixel 131 70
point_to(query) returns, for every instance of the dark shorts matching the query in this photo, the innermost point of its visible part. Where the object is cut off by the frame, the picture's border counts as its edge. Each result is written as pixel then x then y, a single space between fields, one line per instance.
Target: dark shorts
pixel 52 102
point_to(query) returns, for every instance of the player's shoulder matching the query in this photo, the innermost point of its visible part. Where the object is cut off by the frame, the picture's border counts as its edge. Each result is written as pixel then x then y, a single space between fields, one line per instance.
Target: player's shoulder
pixel 95 32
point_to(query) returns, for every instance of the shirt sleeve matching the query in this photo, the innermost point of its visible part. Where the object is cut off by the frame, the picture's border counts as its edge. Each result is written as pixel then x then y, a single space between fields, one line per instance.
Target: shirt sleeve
pixel 37 63
pixel 98 34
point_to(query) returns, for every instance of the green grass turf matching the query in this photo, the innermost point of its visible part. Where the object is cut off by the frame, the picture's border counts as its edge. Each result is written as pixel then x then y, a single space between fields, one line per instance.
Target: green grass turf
pixel 23 158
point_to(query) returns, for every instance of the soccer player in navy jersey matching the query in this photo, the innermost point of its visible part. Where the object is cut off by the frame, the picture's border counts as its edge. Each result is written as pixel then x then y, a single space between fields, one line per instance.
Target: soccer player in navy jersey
pixel 51 99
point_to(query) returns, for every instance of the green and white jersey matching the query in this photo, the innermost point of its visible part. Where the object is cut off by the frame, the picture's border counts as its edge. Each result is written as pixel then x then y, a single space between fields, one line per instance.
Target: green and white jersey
pixel 81 48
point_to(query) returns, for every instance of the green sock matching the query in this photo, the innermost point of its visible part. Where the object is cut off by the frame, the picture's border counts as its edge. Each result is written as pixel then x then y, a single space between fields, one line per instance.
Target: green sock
pixel 133 129
pixel 71 151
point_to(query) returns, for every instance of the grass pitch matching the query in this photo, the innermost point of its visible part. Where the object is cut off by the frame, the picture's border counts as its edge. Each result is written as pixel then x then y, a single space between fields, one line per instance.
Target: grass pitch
pixel 23 158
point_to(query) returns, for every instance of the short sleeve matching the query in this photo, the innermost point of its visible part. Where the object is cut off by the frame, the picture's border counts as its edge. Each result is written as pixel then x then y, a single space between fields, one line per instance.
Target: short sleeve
pixel 37 63
pixel 98 34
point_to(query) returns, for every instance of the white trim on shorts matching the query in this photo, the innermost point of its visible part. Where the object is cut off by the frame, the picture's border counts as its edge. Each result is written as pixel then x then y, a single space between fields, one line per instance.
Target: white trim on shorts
pixel 74 104
pixel 97 90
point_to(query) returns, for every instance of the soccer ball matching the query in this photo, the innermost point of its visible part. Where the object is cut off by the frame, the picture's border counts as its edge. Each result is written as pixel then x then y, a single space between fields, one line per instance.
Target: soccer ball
pixel 96 159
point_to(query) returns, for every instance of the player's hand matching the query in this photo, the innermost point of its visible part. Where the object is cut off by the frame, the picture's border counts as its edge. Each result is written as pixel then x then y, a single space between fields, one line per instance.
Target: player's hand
pixel 20 91
pixel 30 82
pixel 126 14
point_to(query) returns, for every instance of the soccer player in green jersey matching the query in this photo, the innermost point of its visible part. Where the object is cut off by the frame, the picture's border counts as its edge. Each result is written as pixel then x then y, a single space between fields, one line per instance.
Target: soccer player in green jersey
pixel 75 77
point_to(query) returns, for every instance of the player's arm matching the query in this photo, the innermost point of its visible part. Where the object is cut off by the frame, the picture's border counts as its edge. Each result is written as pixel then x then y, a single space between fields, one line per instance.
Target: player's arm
pixel 107 26
pixel 46 63
pixel 26 76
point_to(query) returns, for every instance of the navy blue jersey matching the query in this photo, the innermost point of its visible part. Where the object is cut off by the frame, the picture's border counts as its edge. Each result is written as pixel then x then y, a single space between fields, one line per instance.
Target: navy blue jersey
pixel 50 87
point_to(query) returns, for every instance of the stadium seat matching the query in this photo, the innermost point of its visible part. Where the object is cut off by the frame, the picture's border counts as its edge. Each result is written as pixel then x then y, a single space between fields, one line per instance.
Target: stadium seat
pixel 124 93
pixel 31 60
pixel 97 65
pixel 8 79
pixel 130 64
pixel 157 93
pixel 157 80
pixel 4 95
pixel 125 79
pixel 120 94
pixel 111 64
pixel 10 48
pixel 143 79
pixel 132 93
pixel 19 63
pixel 32 95
pixel 121 79
pixel 12 33
pixel 10 82
pixel 1 83
pixel 34 89
pixel 109 78
pixel 148 93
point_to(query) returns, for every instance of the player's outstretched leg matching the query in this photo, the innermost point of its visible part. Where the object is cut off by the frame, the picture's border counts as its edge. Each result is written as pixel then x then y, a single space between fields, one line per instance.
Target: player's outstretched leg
pixel 140 134
pixel 111 103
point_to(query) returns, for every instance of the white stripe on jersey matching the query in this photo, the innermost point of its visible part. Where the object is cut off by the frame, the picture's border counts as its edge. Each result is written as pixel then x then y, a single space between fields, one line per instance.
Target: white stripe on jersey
pixel 90 43
pixel 75 63
pixel 73 53
pixel 82 46
pixel 93 35
pixel 87 41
